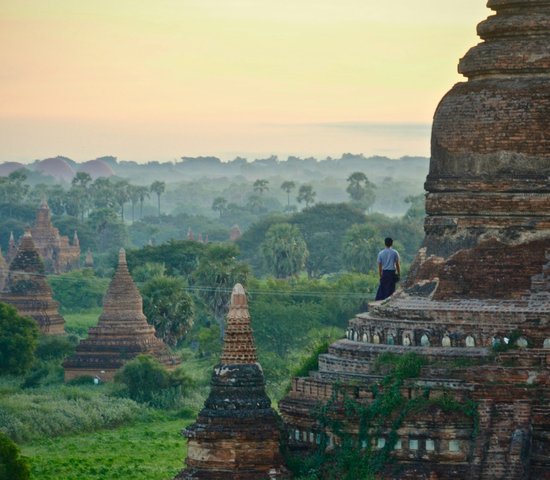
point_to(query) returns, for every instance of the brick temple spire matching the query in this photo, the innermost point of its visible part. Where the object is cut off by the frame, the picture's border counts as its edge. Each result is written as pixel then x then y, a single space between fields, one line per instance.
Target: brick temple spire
pixel 236 435
pixel 12 249
pixel 238 343
pixel 121 334
pixel 29 292
pixel 478 292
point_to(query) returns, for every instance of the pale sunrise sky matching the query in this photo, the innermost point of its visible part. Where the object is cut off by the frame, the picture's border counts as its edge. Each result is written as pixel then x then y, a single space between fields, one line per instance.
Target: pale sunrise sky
pixel 159 79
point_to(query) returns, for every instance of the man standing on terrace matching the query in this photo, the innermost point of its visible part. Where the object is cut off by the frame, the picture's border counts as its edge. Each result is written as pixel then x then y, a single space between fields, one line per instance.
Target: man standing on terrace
pixel 388 270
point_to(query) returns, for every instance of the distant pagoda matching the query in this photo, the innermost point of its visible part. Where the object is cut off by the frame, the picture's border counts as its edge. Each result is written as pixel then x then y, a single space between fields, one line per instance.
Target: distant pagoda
pixel 236 435
pixel 59 255
pixel 121 334
pixel 28 291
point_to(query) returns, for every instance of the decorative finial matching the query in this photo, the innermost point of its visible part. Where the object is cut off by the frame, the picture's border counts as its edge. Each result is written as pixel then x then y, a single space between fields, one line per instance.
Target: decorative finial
pixel 27 233
pixel 122 257
pixel 238 296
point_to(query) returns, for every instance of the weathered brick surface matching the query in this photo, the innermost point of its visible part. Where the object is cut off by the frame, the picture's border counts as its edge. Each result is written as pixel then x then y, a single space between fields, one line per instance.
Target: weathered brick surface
pixel 27 289
pixel 236 435
pixel 480 283
pixel 58 253
pixel 121 334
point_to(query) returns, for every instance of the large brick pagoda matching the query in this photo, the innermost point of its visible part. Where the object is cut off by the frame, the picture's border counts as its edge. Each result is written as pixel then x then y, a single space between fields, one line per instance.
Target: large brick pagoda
pixel 236 435
pixel 58 253
pixel 476 304
pixel 121 334
pixel 28 291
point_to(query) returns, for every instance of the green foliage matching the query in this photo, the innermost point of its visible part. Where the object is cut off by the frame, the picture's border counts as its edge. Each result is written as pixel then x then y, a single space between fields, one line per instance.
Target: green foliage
pixel 361 190
pixel 311 363
pixel 147 381
pixel 180 257
pixel 147 271
pixel 78 323
pixel 78 290
pixel 355 455
pixel 250 241
pixel 216 275
pixel 360 248
pixel 63 410
pixel 306 194
pixel 12 465
pixel 168 307
pixel 151 450
pixel 18 339
pixel 323 228
pixel 284 250
pixel 55 347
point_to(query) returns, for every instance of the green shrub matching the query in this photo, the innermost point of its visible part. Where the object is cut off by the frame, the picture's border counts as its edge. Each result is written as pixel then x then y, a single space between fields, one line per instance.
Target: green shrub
pixel 66 410
pixel 78 290
pixel 12 465
pixel 18 337
pixel 147 381
pixel 55 347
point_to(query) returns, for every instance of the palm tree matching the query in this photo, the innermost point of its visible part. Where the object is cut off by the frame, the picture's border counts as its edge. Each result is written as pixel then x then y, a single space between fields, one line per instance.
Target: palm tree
pixel 122 195
pixel 158 187
pixel 133 194
pixel 306 194
pixel 143 193
pixel 220 205
pixel 260 185
pixel 288 186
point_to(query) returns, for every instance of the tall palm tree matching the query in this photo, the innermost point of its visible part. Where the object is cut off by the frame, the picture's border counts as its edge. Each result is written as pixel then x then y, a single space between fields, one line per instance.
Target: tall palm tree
pixel 133 194
pixel 288 186
pixel 143 193
pixel 122 195
pixel 158 187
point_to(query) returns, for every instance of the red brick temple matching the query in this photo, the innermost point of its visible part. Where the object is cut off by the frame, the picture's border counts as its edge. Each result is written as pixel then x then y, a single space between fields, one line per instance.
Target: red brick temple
pixel 58 253
pixel 476 304
pixel 27 290
pixel 121 334
pixel 236 435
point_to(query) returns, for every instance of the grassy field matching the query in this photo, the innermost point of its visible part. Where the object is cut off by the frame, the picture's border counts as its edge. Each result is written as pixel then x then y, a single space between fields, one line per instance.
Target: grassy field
pixel 145 451
pixel 78 323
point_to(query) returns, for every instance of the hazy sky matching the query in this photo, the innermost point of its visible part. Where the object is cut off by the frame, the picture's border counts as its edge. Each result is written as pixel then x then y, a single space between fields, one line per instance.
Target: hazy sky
pixel 158 79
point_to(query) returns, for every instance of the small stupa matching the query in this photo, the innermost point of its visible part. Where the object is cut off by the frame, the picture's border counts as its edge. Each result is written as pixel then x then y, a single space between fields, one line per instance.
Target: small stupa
pixel 235 233
pixel 236 435
pixel 121 334
pixel 28 291
pixel 12 249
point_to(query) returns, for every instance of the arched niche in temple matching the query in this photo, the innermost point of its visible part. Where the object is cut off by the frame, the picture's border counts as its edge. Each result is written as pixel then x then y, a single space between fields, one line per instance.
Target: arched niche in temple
pixel 425 340
pixel 470 341
pixel 446 341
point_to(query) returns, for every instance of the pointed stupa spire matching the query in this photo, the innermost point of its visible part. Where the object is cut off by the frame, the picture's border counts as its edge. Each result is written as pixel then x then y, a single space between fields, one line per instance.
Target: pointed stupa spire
pixel 237 417
pixel 76 241
pixel 44 201
pixel 122 300
pixel 190 235
pixel 12 249
pixel 121 334
pixel 28 291
pixel 238 347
